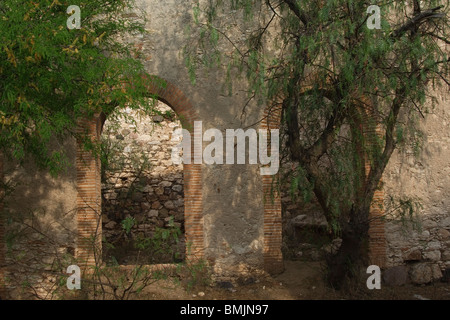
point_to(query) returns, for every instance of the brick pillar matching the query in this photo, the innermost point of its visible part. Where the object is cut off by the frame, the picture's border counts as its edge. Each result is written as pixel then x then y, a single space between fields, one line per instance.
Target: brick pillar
pixel 2 240
pixel 377 232
pixel 377 236
pixel 273 229
pixel 89 241
pixel 193 214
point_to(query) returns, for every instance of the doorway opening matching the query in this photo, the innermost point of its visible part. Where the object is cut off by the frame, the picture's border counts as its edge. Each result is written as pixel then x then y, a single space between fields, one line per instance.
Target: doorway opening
pixel 142 189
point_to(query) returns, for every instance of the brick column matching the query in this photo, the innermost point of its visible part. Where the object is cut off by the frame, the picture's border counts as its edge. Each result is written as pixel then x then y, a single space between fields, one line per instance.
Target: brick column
pixel 377 236
pixel 193 214
pixel 89 241
pixel 377 232
pixel 273 229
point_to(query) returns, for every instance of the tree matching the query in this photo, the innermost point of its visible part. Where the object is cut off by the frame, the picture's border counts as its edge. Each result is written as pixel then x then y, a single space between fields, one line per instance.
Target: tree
pixel 51 78
pixel 350 95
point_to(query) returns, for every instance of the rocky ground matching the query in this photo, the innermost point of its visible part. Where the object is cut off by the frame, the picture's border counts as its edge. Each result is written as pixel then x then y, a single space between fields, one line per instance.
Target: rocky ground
pixel 302 280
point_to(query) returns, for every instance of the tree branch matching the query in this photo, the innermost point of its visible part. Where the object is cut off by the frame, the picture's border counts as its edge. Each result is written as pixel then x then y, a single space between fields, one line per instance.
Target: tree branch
pixel 376 172
pixel 292 4
pixel 417 20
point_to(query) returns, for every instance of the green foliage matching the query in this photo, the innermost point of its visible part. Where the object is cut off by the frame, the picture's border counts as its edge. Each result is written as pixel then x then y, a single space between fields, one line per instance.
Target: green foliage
pixel 51 77
pixel 112 157
pixel 128 223
pixel 195 273
pixel 161 236
pixel 349 95
pixel 406 211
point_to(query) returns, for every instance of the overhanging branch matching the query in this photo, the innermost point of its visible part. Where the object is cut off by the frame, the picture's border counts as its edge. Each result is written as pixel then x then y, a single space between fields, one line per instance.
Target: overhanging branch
pixel 292 4
pixel 417 20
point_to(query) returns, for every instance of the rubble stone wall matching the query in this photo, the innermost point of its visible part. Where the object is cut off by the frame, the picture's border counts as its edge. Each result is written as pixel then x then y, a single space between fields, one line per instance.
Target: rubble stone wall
pixel 141 181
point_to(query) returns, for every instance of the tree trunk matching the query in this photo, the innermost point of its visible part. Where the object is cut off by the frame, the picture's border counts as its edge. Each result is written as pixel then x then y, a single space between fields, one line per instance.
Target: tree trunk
pixel 352 256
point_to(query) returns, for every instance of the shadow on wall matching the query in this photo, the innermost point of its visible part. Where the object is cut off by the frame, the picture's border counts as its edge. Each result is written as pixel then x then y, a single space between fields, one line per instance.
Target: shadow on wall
pixel 234 239
pixel 41 227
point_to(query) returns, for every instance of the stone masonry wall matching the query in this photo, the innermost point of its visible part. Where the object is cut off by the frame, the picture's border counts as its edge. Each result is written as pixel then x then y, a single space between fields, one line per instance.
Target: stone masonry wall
pixel 142 182
pixel 421 250
pixel 226 216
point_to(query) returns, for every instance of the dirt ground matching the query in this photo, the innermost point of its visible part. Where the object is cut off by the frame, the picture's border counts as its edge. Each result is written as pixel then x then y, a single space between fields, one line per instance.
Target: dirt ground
pixel 302 280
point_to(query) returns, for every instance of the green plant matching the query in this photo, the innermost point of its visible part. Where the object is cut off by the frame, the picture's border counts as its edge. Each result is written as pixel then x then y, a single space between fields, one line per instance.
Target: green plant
pixel 128 223
pixel 51 77
pixel 193 272
pixel 161 244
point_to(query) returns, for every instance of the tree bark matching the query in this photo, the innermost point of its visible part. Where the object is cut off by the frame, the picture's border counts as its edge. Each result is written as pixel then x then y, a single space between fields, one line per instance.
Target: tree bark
pixel 352 255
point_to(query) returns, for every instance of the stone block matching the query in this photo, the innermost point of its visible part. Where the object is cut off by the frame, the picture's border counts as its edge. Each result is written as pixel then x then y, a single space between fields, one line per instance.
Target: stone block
pixel 169 205
pixel 429 224
pixel 396 276
pixel 434 245
pixel 434 255
pixel 412 255
pixel 445 255
pixel 153 213
pixel 443 234
pixel 436 272
pixel 445 223
pixel 421 273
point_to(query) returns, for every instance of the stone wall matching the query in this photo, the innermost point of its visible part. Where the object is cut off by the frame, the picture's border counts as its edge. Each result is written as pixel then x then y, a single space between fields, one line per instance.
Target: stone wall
pixel 423 250
pixel 40 228
pixel 423 247
pixel 140 180
pixel 226 214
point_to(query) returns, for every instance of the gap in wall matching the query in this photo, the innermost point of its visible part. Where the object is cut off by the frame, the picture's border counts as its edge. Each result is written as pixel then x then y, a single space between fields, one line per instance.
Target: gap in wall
pixel 142 189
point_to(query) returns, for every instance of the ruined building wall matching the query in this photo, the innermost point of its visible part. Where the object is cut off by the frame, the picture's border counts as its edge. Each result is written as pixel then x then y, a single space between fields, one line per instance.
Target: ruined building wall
pixel 233 207
pixel 40 227
pixel 423 248
pixel 228 218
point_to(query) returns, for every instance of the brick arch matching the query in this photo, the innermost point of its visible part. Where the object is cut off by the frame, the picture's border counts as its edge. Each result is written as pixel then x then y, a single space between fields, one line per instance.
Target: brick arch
pixel 273 259
pixel 193 196
pixel 89 184
pixel 171 95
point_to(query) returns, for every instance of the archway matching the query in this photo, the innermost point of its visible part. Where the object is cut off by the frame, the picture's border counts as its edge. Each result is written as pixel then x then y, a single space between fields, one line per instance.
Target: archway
pixel 142 188
pixel 89 220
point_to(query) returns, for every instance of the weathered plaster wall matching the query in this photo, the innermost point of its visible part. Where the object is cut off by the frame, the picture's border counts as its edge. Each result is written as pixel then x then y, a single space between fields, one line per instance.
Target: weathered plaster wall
pixel 41 228
pixel 233 195
pixel 424 251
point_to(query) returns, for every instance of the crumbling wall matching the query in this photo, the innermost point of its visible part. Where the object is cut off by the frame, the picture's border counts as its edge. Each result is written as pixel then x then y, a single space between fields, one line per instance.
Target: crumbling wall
pixel 422 247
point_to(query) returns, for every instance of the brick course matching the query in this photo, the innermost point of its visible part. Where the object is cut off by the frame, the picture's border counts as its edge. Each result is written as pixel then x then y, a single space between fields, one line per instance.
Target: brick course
pixel 377 236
